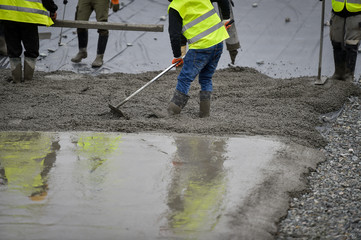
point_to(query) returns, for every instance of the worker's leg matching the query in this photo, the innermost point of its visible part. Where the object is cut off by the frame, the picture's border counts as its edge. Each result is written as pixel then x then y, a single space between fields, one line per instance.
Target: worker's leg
pixel 352 42
pixel 12 31
pixel 337 33
pixel 82 13
pixel 3 49
pixel 30 38
pixel 101 8
pixel 205 80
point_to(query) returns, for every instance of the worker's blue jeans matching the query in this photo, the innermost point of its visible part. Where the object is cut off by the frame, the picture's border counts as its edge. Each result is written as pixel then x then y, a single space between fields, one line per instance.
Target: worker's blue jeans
pixel 202 62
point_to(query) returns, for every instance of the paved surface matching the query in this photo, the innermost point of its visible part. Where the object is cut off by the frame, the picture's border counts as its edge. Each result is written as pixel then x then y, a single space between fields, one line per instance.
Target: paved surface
pixel 268 43
pixel 90 185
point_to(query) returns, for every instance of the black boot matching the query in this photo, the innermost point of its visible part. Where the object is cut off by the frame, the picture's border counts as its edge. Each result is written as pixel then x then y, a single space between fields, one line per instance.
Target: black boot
pixel 177 103
pixel 204 104
pixel 339 57
pixel 102 44
pixel 351 57
pixel 83 43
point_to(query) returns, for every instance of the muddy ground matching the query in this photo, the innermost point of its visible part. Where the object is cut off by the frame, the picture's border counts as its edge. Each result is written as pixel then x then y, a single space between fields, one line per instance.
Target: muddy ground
pixel 244 101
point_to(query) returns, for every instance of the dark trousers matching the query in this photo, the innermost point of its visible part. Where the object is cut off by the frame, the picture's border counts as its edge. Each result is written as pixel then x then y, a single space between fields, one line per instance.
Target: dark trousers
pixel 17 33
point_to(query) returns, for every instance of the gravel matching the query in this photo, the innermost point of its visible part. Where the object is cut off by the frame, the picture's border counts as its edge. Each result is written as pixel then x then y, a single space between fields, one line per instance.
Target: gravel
pixel 331 207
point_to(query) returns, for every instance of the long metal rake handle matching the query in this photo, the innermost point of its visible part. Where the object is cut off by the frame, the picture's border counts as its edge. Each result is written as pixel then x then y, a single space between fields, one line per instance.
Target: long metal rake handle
pixel 146 85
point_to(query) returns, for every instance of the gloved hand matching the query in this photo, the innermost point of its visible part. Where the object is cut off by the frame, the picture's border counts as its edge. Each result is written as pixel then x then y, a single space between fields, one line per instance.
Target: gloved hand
pixel 226 23
pixel 179 61
pixel 114 4
pixel 53 16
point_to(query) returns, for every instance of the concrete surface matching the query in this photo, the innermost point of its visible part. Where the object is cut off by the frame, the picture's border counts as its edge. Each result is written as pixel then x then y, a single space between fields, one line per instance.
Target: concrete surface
pixel 89 185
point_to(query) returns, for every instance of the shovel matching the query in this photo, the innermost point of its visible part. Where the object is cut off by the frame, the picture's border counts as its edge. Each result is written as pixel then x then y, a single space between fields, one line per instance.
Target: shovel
pixel 118 112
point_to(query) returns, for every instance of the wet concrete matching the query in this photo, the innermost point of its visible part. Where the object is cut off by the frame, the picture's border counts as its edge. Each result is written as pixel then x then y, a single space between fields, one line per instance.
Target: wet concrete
pixel 90 185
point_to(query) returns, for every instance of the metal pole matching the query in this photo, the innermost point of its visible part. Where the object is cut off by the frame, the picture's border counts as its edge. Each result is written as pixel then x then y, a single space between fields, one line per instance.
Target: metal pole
pixel 61 30
pixel 321 40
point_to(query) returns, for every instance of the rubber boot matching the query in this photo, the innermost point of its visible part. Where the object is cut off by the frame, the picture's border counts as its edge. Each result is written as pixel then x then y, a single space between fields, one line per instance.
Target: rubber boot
pixel 3 49
pixel 83 43
pixel 351 57
pixel 29 68
pixel 102 44
pixel 98 62
pixel 177 103
pixel 16 69
pixel 339 57
pixel 204 104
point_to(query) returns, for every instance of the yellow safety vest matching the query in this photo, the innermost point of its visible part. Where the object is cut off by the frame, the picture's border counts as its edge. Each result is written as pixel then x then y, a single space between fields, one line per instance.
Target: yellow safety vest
pixel 351 5
pixel 25 11
pixel 201 24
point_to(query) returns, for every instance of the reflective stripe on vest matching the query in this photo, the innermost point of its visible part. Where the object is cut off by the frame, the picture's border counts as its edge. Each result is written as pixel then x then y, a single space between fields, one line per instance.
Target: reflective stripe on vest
pixel 205 33
pixel 351 5
pixel 198 20
pixel 27 11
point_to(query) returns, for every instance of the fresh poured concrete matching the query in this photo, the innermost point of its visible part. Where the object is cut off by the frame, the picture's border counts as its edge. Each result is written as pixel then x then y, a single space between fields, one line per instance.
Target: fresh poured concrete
pixel 89 185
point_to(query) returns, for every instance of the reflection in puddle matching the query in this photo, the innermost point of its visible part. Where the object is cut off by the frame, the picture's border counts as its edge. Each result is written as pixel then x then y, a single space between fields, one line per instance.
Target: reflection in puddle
pixel 198 185
pixel 25 162
pixel 89 185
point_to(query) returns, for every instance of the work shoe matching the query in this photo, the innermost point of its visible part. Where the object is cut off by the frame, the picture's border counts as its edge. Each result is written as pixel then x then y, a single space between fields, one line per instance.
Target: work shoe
pixel 177 103
pixel 98 62
pixel 339 57
pixel 16 69
pixel 29 68
pixel 80 55
pixel 204 104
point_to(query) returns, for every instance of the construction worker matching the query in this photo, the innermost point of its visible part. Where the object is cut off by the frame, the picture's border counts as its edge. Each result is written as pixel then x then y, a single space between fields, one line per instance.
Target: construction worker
pixel 21 20
pixel 205 33
pixel 83 12
pixel 3 50
pixel 345 34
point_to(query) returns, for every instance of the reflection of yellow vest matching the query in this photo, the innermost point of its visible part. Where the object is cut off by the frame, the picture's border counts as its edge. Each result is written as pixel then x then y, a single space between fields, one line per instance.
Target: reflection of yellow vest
pixel 97 147
pixel 25 11
pixel 351 5
pixel 201 25
pixel 22 157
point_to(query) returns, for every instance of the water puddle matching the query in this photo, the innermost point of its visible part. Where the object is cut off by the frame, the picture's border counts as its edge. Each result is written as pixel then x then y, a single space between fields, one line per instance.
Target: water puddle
pixel 88 185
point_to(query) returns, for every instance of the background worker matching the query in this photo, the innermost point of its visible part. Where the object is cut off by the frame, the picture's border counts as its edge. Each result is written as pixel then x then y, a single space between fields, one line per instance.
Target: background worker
pixel 205 33
pixel 345 34
pixel 83 12
pixel 21 20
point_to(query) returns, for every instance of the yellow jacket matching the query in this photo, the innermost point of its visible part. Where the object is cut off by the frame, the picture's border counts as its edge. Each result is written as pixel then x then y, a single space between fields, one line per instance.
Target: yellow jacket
pixel 25 11
pixel 201 24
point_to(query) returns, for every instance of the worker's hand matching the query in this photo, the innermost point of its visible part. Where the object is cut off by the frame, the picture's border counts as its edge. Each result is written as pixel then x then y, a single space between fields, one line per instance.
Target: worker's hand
pixel 227 23
pixel 53 16
pixel 179 61
pixel 114 4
